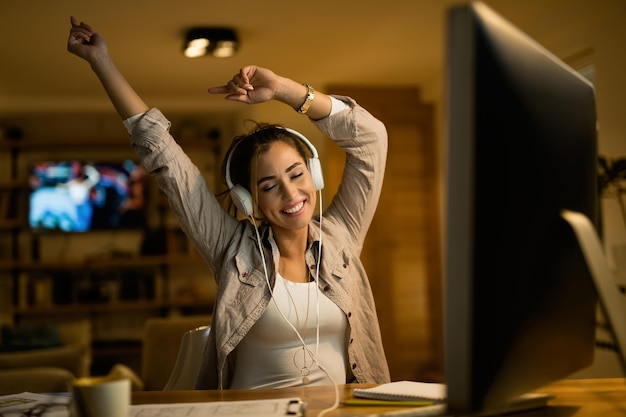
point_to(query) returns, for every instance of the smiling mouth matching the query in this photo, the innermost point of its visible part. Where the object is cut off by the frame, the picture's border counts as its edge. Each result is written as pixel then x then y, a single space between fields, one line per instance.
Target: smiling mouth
pixel 295 208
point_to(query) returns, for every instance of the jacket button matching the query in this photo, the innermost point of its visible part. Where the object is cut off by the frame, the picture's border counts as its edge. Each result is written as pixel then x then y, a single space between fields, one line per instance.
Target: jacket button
pixel 312 266
pixel 351 340
pixel 349 313
pixel 345 266
pixel 327 288
pixel 244 274
pixel 354 366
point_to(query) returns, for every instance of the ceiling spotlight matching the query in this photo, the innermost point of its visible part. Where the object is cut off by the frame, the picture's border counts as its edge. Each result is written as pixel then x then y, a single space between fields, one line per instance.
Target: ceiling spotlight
pixel 217 41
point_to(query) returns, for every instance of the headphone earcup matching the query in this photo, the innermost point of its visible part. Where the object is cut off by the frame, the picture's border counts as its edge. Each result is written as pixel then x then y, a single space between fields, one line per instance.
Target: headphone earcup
pixel 242 200
pixel 315 168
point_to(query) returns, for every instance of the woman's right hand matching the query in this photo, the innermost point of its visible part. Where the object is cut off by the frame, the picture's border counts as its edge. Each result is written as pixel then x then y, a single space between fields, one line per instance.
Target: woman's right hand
pixel 84 42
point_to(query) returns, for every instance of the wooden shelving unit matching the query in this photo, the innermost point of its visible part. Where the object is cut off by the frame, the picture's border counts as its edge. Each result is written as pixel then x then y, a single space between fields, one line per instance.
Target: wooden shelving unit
pixel 19 269
pixel 113 306
pixel 31 266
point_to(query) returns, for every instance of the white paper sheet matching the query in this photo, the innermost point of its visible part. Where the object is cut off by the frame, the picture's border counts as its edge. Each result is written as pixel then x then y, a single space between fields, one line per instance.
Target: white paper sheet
pixel 17 403
pixel 257 408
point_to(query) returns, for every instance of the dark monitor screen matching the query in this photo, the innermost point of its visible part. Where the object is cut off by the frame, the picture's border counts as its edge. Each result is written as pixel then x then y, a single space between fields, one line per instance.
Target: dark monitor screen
pixel 83 196
pixel 520 304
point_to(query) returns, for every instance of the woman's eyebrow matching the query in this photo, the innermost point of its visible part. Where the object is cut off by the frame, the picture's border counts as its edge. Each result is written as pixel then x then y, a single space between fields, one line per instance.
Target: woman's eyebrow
pixel 271 177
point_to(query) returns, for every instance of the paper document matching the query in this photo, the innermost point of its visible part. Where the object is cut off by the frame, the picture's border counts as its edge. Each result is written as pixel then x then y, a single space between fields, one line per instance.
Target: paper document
pixel 57 406
pixel 257 408
pixel 48 405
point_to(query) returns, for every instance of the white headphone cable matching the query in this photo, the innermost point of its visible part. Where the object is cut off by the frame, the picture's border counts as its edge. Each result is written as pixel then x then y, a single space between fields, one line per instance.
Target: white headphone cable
pixel 317 275
pixel 317 272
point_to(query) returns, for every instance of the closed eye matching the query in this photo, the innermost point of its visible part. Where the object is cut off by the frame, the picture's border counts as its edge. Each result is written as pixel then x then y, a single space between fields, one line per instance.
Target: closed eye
pixel 268 182
pixel 269 187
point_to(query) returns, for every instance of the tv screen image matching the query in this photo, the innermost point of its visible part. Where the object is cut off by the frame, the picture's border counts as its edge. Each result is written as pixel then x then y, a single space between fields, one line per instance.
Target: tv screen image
pixel 81 196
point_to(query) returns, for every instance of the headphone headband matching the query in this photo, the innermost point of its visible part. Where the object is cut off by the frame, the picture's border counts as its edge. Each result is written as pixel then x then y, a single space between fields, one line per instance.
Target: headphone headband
pixel 304 139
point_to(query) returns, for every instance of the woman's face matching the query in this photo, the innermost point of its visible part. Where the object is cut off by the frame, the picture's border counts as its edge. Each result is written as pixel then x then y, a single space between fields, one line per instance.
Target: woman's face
pixel 286 193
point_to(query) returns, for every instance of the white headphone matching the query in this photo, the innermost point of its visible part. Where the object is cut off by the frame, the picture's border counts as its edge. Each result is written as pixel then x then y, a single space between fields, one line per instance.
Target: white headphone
pixel 242 197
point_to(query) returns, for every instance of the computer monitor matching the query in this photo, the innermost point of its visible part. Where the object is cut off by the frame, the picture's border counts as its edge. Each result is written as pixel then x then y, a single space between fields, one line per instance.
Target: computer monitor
pixel 520 303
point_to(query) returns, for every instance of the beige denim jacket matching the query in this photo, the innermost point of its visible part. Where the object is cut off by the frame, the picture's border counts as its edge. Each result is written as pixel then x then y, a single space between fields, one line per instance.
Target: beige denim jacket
pixel 229 246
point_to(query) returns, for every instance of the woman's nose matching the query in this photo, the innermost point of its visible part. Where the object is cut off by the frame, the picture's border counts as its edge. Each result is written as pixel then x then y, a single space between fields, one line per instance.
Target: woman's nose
pixel 289 191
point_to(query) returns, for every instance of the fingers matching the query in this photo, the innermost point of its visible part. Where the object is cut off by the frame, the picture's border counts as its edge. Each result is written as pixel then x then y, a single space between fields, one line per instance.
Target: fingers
pixel 239 85
pixel 223 89
pixel 230 88
pixel 250 85
pixel 243 77
pixel 236 94
pixel 240 94
pixel 81 29
pixel 241 82
pixel 76 24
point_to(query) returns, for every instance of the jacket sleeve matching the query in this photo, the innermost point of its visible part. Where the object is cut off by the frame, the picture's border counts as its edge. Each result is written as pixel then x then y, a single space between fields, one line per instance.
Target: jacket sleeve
pixel 364 138
pixel 200 215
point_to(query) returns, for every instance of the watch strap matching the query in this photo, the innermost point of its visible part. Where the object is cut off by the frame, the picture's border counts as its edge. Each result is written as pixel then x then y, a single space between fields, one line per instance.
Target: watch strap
pixel 310 95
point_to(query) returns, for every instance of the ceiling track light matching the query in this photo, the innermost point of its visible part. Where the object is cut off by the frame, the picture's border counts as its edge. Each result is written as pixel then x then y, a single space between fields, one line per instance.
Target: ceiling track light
pixel 219 42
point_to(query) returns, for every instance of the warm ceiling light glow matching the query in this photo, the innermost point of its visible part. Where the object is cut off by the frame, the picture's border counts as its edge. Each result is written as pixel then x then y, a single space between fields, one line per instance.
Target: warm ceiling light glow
pixel 199 43
pixel 196 48
pixel 225 49
pixel 219 42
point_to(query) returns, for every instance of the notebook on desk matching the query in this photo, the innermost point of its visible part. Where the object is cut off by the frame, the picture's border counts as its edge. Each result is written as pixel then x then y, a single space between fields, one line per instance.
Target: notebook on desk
pixel 404 391
pixel 407 391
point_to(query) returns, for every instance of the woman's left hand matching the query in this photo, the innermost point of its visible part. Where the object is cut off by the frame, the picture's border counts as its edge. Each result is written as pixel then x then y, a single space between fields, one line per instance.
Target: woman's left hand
pixel 250 85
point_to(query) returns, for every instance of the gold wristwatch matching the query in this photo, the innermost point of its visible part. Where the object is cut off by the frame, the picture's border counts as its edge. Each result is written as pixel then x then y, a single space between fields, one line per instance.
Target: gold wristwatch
pixel 310 95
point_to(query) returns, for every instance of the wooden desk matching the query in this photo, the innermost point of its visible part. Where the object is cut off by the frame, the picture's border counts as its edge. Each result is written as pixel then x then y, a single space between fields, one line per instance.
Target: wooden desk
pixel 573 398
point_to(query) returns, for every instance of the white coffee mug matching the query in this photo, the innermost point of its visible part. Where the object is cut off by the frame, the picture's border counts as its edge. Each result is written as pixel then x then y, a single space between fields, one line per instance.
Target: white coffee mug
pixel 100 397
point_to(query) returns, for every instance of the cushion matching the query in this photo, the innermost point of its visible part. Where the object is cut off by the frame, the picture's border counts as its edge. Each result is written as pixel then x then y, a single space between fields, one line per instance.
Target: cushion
pixel 44 380
pixel 26 337
pixel 69 357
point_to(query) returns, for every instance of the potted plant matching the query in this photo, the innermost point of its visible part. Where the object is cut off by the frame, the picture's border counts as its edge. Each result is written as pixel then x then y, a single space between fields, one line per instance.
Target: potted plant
pixel 611 177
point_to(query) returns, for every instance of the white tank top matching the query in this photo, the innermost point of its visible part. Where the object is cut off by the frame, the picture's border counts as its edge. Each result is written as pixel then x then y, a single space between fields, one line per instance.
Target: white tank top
pixel 271 355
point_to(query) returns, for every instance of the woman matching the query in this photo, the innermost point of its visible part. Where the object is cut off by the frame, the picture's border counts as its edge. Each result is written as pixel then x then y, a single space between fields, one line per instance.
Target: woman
pixel 294 305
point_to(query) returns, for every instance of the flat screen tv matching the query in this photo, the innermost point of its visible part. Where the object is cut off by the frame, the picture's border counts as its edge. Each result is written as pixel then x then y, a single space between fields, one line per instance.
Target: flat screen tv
pixel 82 196
pixel 520 302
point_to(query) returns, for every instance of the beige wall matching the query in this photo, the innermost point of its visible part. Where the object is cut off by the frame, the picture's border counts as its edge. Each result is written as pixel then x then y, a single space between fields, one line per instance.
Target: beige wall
pixel 598 38
pixel 610 59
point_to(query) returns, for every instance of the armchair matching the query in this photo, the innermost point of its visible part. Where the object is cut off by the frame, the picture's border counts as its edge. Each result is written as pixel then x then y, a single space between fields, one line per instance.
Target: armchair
pixel 172 349
pixel 49 369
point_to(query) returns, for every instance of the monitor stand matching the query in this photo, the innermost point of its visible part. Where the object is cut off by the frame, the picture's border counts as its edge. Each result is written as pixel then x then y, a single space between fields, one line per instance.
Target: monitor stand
pixel 612 302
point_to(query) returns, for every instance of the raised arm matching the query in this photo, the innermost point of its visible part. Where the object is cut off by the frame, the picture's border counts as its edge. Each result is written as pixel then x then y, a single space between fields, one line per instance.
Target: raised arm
pixel 254 85
pixel 87 44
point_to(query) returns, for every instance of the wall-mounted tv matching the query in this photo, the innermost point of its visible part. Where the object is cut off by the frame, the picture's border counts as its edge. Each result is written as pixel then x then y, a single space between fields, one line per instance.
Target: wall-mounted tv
pixel 81 196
